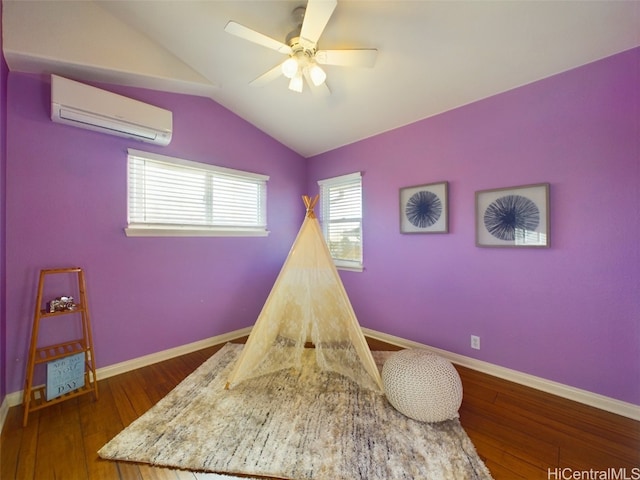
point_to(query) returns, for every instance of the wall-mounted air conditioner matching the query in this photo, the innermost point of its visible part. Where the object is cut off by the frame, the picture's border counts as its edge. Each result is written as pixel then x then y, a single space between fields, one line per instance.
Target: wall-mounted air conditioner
pixel 84 106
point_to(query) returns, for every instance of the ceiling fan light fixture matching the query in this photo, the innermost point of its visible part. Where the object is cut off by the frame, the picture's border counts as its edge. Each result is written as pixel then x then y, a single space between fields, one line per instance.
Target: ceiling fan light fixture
pixel 290 67
pixel 296 83
pixel 317 74
pixel 301 48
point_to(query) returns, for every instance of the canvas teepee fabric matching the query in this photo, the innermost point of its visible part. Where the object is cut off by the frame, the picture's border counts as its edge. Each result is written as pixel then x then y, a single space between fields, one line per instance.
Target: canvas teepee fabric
pixel 308 303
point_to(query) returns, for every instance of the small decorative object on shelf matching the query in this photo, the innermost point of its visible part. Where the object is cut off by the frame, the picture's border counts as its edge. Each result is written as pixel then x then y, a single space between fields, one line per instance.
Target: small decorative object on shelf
pixel 61 304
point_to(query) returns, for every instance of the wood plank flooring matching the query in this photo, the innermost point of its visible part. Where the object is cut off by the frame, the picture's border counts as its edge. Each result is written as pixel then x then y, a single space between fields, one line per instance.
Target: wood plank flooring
pixel 519 432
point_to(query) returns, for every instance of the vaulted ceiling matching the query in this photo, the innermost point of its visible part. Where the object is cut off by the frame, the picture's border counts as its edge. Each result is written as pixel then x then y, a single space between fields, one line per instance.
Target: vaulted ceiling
pixel 433 56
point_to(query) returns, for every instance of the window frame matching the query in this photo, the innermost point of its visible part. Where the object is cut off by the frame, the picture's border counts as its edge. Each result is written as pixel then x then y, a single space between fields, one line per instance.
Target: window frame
pixel 324 186
pixel 143 229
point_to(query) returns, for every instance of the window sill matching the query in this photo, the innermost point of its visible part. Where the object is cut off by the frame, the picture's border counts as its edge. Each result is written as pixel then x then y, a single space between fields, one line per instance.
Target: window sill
pixel 350 268
pixel 150 231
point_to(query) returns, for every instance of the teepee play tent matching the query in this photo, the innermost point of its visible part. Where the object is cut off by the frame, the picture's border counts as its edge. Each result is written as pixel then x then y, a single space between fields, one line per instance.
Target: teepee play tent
pixel 308 305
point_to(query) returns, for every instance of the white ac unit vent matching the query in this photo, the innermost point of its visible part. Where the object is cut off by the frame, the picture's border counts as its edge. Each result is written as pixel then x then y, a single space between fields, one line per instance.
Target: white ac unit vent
pixel 84 106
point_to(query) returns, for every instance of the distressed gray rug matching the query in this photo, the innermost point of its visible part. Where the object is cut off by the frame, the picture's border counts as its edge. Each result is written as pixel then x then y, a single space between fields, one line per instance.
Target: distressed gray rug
pixel 293 425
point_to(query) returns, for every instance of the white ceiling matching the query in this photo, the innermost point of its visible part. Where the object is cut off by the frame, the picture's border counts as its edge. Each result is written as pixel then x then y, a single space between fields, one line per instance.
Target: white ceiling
pixel 433 56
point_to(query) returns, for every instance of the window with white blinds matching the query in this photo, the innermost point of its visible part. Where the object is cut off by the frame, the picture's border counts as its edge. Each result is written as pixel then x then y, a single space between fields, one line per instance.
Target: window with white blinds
pixel 172 196
pixel 341 215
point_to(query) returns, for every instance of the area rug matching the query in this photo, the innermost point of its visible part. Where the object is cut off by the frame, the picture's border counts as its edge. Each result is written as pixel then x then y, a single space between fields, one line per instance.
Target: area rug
pixel 295 425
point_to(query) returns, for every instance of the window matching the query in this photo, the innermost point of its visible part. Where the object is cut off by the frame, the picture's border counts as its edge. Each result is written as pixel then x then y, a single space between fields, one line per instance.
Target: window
pixel 174 197
pixel 341 214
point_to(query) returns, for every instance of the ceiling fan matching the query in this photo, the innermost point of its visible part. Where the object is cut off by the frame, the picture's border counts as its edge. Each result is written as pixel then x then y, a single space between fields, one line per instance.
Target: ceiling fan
pixel 304 58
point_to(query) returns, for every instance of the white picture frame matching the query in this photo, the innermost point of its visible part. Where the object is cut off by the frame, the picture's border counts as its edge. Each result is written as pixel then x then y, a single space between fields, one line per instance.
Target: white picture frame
pixel 424 208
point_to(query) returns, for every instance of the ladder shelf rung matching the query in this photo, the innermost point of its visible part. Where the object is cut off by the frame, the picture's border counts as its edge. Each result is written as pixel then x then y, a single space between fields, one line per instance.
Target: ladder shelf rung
pixel 77 309
pixel 51 271
pixel 61 350
pixel 39 395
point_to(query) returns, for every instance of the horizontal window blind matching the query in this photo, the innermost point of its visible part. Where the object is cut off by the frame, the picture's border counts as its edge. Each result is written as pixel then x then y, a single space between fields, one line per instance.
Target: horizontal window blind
pixel 166 192
pixel 341 213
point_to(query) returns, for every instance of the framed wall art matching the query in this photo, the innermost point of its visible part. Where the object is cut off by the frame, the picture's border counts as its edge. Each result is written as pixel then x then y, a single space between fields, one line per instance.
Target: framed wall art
pixel 424 209
pixel 513 217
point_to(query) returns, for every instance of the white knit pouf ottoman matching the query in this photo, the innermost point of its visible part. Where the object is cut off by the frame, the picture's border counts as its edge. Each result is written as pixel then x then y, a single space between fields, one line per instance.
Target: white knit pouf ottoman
pixel 422 385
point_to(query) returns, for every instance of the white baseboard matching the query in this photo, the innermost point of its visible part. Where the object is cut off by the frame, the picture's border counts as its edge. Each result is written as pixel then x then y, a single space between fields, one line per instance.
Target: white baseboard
pixel 4 410
pixel 585 397
pixel 582 396
pixel 15 398
pixel 118 368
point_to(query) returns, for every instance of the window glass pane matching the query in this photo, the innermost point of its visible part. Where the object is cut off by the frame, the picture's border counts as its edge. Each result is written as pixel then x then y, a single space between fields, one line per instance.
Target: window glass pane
pixel 342 218
pixel 345 240
pixel 169 195
pixel 236 202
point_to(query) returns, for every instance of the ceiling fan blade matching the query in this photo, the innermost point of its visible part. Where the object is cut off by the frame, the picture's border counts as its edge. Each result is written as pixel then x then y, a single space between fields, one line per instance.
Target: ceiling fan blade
pixel 321 90
pixel 267 77
pixel 365 57
pixel 246 33
pixel 316 17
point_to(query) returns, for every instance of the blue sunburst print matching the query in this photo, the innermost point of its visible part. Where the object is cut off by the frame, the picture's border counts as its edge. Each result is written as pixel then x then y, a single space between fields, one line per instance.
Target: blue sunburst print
pixel 423 209
pixel 510 214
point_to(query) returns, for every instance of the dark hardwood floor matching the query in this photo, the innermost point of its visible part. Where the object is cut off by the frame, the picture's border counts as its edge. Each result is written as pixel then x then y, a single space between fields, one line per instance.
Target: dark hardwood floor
pixel 519 432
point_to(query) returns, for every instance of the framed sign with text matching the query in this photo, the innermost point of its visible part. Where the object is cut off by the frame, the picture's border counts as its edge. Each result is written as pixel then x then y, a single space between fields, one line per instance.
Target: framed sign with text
pixel 65 375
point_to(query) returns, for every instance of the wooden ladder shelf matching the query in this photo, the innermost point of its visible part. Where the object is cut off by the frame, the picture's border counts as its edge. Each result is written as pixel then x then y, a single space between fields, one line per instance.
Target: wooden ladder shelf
pixel 35 397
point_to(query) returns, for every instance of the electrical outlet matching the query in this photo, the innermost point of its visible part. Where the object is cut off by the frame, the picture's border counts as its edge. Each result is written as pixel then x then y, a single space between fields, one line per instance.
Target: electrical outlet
pixel 475 342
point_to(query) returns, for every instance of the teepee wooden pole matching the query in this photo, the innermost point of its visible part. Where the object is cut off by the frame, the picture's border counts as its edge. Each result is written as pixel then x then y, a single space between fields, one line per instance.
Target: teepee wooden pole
pixel 310 204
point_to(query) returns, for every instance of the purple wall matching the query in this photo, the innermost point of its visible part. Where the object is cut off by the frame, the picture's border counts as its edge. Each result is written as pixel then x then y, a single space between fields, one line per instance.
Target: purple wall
pixel 4 71
pixel 570 313
pixel 66 206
